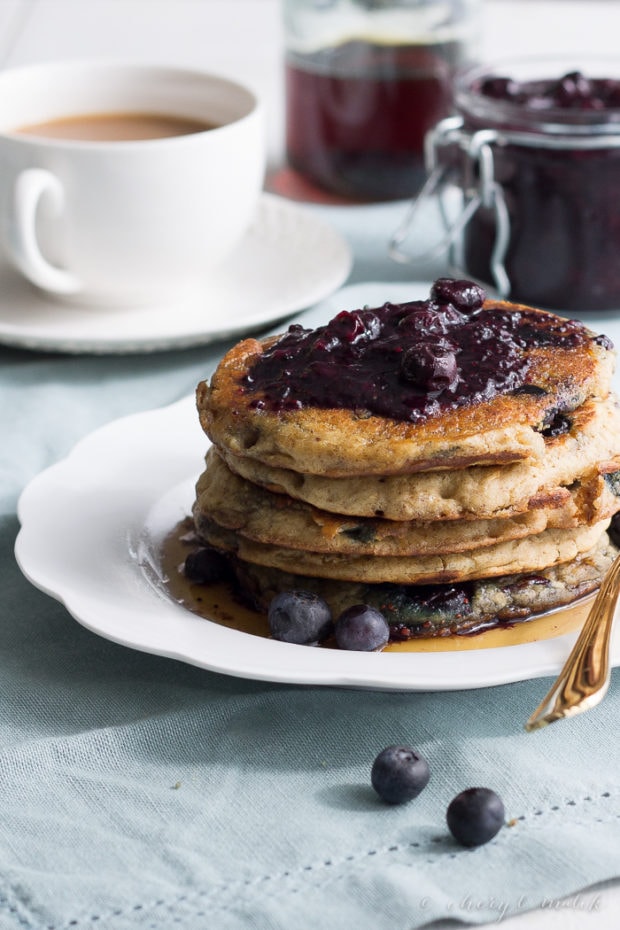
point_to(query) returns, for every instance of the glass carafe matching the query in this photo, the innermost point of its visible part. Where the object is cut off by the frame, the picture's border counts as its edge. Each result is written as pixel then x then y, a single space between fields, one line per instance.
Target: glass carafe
pixel 365 81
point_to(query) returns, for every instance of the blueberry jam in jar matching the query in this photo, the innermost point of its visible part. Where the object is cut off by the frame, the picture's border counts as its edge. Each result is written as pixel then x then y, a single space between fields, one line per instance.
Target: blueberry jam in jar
pixel 539 153
pixel 533 156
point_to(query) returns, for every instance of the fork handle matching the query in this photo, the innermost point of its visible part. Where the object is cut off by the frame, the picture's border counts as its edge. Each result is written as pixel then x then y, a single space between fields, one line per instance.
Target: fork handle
pixel 584 680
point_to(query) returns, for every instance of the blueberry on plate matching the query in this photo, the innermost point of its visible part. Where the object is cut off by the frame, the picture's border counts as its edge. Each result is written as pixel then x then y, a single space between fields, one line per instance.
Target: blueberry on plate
pixel 464 295
pixel 361 628
pixel 475 816
pixel 299 617
pixel 206 566
pixel 614 528
pixel 399 774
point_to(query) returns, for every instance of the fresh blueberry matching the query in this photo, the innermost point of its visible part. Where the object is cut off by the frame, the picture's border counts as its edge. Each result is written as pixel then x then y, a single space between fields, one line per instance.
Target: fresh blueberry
pixel 399 774
pixel 475 816
pixel 207 566
pixel 299 617
pixel 609 90
pixel 361 628
pixel 431 319
pixel 614 530
pixel 499 88
pixel 604 341
pixel 432 366
pixel 556 424
pixel 464 295
pixel 353 326
pixel 572 91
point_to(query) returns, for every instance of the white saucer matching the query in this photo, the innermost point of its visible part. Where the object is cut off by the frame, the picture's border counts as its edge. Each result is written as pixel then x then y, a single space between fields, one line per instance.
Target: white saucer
pixel 288 260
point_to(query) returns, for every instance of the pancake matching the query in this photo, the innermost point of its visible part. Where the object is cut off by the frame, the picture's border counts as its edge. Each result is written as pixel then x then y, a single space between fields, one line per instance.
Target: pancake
pixel 453 462
pixel 549 368
pixel 587 453
pixel 531 553
pixel 443 610
pixel 260 515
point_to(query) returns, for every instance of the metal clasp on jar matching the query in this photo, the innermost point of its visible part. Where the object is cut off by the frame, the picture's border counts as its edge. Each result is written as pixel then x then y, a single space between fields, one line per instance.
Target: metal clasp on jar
pixel 473 177
pixel 478 188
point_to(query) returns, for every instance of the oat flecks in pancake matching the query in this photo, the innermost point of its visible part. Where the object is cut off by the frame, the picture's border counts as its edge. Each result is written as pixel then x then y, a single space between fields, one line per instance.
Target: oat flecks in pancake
pixel 479 492
pixel 258 514
pixel 528 554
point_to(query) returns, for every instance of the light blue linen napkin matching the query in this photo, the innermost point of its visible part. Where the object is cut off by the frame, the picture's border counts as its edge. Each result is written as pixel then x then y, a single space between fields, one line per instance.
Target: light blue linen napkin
pixel 138 792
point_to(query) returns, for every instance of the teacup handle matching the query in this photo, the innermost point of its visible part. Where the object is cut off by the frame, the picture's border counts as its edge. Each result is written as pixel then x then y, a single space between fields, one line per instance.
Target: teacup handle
pixel 30 186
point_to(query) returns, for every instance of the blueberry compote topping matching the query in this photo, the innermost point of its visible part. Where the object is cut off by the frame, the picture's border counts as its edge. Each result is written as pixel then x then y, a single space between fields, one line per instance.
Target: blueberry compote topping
pixel 408 361
pixel 572 91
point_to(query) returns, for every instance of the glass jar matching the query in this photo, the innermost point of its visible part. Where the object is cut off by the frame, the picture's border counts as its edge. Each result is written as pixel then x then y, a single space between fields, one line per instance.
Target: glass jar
pixel 365 81
pixel 535 152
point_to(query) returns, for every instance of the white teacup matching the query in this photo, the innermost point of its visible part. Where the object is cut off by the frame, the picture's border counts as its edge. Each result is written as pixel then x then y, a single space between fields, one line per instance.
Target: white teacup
pixel 129 222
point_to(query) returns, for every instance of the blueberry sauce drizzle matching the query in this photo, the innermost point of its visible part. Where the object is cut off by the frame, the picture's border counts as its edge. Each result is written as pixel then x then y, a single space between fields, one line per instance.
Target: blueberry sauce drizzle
pixel 408 361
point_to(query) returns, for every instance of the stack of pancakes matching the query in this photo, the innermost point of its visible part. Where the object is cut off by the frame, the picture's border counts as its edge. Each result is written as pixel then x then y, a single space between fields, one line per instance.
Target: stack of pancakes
pixel 481 507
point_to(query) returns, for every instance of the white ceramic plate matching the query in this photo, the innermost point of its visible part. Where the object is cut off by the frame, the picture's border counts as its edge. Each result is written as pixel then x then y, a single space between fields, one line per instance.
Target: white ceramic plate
pixel 91 526
pixel 289 259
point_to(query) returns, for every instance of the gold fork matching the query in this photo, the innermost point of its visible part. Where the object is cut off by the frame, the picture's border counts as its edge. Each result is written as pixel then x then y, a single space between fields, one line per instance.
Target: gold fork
pixel 584 680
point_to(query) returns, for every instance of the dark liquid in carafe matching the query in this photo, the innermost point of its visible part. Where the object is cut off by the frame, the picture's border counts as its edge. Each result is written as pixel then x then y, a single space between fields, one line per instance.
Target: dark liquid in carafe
pixel 357 114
